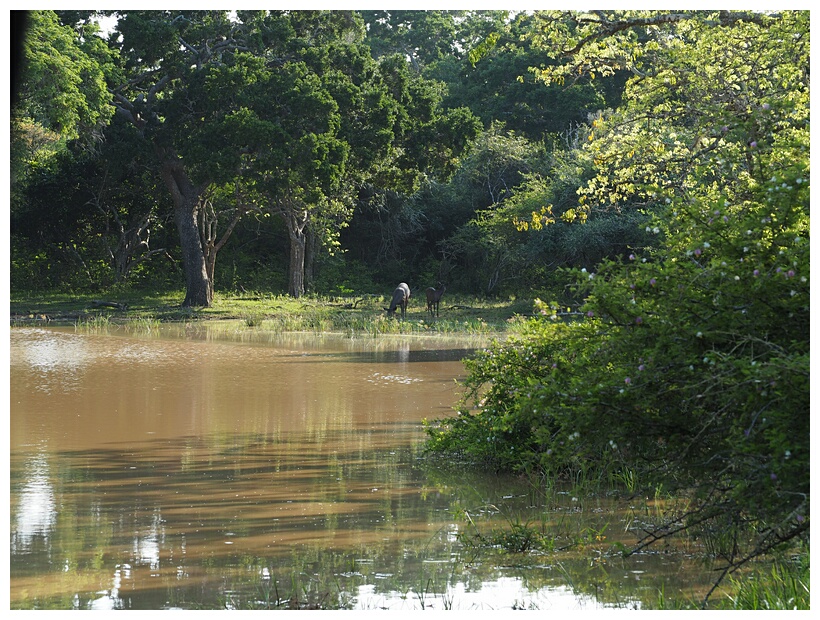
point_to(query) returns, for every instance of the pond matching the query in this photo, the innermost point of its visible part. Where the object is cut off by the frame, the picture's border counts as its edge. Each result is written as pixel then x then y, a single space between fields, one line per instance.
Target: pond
pixel 200 467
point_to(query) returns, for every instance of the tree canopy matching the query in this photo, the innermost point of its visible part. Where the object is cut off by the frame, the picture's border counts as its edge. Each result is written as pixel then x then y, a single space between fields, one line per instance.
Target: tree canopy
pixel 299 119
pixel 290 104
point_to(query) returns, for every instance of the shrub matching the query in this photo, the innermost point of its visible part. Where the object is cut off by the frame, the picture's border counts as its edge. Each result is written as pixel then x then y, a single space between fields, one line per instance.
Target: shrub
pixel 691 363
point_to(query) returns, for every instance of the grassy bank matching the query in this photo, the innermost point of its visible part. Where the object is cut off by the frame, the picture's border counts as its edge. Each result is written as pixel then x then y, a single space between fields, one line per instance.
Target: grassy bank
pixel 312 313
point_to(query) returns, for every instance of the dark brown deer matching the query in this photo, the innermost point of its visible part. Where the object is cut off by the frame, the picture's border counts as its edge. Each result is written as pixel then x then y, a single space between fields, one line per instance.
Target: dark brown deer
pixel 434 296
pixel 400 298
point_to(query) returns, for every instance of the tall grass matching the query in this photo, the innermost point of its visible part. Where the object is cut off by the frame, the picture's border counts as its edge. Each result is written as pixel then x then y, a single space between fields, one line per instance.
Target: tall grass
pixel 785 585
pixel 93 323
pixel 98 323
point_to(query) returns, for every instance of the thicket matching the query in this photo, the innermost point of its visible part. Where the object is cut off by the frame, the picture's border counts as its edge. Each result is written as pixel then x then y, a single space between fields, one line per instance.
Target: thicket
pixel 688 368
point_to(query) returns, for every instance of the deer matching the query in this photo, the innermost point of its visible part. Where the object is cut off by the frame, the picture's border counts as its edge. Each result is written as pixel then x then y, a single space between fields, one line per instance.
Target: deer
pixel 434 296
pixel 400 298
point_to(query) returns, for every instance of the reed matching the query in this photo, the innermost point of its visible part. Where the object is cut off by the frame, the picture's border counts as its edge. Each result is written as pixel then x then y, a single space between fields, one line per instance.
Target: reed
pixel 93 323
pixel 785 585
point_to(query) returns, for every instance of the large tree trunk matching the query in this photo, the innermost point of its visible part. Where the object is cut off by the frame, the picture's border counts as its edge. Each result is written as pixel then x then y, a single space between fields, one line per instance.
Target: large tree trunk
pixel 198 290
pixel 296 219
pixel 297 263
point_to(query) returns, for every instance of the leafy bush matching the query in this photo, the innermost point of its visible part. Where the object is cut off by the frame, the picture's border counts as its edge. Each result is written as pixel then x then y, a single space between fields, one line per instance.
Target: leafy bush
pixel 690 366
pixel 692 361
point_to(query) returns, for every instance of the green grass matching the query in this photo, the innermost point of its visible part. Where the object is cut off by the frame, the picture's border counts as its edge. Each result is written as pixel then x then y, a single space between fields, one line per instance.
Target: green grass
pixel 784 585
pixel 363 314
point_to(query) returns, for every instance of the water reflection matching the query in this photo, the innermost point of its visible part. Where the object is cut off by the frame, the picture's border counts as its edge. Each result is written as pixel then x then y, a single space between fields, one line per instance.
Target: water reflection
pixel 179 471
pixel 36 507
pixel 461 596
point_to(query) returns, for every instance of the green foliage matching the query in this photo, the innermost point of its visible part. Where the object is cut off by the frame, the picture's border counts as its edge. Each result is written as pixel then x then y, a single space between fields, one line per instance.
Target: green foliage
pixel 686 121
pixel 497 83
pixel 60 95
pixel 517 538
pixel 690 362
pixel 28 266
pixel 537 193
pixel 785 585
pixel 65 88
pixel 497 426
pixel 423 36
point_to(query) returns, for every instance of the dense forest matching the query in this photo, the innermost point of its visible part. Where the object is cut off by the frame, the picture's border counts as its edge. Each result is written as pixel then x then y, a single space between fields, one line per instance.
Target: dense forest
pixel 310 151
pixel 648 170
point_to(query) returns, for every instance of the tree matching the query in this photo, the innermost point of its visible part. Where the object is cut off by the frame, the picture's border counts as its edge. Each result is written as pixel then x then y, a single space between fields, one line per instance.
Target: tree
pixel 60 94
pixel 692 363
pixel 290 161
pixel 127 199
pixel 544 203
pixel 62 211
pixel 64 88
pixel 458 212
pixel 420 37
pixel 290 102
pixel 92 217
pixel 498 82
pixel 195 88
pixel 217 202
pixel 165 58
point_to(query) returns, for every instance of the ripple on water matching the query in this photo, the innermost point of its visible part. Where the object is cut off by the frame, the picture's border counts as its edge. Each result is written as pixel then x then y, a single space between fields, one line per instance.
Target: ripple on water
pixel 383 379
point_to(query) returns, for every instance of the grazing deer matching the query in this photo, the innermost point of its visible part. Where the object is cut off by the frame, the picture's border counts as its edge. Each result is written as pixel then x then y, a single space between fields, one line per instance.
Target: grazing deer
pixel 400 298
pixel 434 296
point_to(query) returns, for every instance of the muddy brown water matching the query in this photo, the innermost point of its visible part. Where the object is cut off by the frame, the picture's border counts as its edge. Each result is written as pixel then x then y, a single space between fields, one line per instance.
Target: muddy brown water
pixel 198 468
